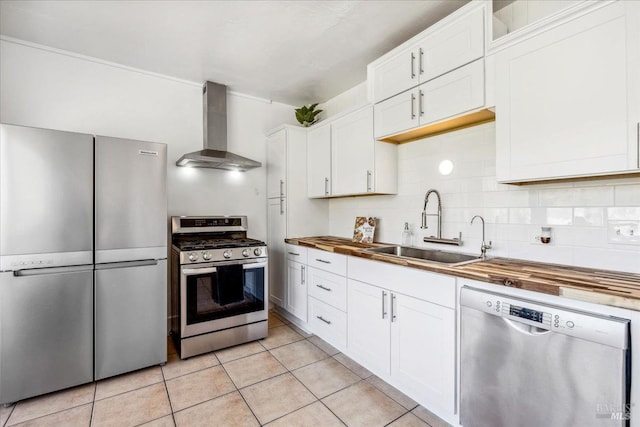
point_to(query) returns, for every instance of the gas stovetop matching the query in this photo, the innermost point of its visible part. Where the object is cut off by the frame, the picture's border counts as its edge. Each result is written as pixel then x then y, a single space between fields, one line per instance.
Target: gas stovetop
pixel 199 244
pixel 214 239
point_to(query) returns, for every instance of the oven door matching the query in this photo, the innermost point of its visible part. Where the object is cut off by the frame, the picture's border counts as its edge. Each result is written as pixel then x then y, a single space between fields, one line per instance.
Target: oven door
pixel 221 295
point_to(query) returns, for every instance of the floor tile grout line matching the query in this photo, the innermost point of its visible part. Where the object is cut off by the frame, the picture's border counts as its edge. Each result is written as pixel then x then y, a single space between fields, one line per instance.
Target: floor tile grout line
pixel 237 390
pixel 9 416
pixel 127 391
pixel 166 389
pixel 46 415
pixel 397 418
pixel 93 403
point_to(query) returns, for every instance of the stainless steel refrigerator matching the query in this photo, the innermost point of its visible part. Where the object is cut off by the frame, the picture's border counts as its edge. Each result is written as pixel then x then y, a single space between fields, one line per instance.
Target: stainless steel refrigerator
pixel 46 261
pixel 83 226
pixel 130 255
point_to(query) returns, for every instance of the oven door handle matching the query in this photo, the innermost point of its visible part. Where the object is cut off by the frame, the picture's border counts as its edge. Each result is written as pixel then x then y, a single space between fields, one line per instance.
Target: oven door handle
pixel 192 271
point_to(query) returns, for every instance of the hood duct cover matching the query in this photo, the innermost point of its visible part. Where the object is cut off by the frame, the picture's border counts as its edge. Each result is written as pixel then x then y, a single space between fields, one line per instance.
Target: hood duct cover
pixel 215 154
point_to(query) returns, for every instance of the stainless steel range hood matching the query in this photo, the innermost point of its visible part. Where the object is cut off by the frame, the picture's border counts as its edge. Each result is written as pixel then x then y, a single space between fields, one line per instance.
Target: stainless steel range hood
pixel 215 154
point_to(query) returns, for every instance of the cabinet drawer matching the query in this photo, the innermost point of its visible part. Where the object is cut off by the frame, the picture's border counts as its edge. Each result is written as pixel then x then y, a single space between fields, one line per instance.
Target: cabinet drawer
pixel 296 253
pixel 328 261
pixel 328 287
pixel 328 323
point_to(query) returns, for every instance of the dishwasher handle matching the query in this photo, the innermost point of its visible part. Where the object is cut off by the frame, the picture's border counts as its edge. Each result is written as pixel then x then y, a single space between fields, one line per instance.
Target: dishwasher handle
pixel 526 329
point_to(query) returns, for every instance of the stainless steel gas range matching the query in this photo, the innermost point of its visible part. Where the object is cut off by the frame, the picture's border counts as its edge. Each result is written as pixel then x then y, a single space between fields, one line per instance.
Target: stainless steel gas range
pixel 219 285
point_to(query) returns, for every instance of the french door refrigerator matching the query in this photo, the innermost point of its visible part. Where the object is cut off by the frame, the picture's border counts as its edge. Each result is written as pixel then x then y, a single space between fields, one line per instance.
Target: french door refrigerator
pixel 46 261
pixel 130 255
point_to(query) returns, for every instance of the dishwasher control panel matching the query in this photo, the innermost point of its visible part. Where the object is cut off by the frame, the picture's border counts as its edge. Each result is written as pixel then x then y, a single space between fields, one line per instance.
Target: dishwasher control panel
pixel 580 324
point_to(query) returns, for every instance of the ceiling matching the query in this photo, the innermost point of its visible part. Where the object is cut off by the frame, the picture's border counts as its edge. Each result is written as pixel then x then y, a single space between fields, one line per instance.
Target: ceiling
pixel 294 52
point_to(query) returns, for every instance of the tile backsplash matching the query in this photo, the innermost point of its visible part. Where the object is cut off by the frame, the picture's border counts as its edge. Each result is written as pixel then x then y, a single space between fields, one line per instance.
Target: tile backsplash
pixel 594 223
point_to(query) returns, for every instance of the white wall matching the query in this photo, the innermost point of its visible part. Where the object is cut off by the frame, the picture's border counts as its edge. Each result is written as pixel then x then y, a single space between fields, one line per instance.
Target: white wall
pixel 48 88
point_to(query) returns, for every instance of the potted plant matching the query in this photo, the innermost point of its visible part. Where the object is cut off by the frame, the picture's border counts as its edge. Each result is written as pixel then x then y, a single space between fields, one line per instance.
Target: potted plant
pixel 307 115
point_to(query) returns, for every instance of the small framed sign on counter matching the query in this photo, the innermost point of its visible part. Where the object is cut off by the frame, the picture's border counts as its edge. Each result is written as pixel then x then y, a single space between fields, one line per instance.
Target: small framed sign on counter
pixel 364 229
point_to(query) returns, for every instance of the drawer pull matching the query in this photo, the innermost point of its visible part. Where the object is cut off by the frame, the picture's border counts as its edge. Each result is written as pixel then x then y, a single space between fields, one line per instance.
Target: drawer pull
pixel 323 261
pixel 324 320
pixel 302 281
pixel 323 288
pixel 293 253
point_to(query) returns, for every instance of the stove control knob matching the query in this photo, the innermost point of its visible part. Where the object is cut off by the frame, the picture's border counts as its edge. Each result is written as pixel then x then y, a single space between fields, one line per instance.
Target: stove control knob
pixel 257 251
pixel 206 256
pixel 226 254
pixel 245 253
pixel 193 257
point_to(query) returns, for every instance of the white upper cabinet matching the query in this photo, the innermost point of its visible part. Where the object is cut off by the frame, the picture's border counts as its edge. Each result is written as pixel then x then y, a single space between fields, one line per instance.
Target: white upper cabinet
pixel 447 96
pixel 319 161
pixel 454 41
pixel 344 159
pixel 433 83
pixel 568 98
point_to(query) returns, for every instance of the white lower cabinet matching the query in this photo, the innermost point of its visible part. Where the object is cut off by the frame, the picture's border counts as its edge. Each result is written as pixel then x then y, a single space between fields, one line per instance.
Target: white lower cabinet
pixel 408 341
pixel 296 301
pixel 328 323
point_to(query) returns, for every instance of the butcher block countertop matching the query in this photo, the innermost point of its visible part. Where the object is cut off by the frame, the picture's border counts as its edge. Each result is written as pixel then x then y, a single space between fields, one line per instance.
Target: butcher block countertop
pixel 612 288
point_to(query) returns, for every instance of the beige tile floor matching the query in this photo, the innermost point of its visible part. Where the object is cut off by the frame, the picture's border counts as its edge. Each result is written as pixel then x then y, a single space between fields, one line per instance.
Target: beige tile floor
pixel 290 378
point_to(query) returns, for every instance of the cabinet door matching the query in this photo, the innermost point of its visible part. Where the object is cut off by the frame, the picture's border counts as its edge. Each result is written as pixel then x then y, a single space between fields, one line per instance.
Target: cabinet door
pixel 276 164
pixel 395 75
pixel 275 239
pixel 423 350
pixel 352 153
pixel 455 44
pixel 568 98
pixel 296 302
pixel 319 162
pixel 453 94
pixel 368 326
pixel 396 114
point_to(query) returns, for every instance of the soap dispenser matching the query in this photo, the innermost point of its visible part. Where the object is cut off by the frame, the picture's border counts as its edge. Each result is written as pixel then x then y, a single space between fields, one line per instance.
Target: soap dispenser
pixel 406 235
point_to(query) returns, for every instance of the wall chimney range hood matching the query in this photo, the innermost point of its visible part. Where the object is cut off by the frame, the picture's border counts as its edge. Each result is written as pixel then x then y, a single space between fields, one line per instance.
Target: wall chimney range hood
pixel 215 154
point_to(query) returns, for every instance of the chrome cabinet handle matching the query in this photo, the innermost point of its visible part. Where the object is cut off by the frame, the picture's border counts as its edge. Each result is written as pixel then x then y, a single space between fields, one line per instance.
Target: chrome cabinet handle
pixel 293 253
pixel 281 205
pixel 393 312
pixel 421 62
pixel 421 104
pixel 323 261
pixel 368 181
pixel 384 297
pixel 281 188
pixel 323 288
pixel 413 101
pixel 326 186
pixel 324 320
pixel 302 281
pixel 413 60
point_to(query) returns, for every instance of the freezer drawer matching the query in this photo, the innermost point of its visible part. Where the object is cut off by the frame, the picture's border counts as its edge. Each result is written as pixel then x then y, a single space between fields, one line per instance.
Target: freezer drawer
pixel 131 200
pixel 46 198
pixel 131 316
pixel 46 331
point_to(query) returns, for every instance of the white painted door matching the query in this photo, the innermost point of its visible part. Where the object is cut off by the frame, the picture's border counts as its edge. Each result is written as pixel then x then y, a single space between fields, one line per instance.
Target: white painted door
pixel 396 75
pixel 319 161
pixel 455 93
pixel 276 232
pixel 276 164
pixel 567 100
pixel 352 153
pixel 296 301
pixel 368 326
pixel 396 114
pixel 423 350
pixel 458 42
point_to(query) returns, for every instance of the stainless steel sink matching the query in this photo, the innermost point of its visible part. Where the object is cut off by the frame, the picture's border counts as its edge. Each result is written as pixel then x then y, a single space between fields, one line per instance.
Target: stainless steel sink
pixel 442 257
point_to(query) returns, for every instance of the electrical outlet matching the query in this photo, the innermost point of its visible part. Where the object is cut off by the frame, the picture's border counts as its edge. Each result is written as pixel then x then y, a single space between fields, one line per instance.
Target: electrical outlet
pixel 623 232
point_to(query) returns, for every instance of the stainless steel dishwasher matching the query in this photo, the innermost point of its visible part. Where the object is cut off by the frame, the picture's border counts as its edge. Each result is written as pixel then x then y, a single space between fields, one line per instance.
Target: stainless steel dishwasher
pixel 526 363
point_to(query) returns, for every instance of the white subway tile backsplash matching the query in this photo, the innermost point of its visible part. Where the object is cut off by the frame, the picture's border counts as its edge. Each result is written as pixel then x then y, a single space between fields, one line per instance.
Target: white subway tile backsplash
pixel 627 195
pixel 588 196
pixel 577 211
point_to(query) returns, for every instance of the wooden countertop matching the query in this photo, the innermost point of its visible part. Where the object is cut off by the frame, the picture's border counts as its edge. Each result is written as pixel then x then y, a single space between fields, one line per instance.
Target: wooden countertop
pixel 612 288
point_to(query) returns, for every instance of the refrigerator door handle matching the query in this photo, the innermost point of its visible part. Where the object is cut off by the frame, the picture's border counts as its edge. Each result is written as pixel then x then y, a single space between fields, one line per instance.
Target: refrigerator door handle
pixel 51 270
pixel 141 263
